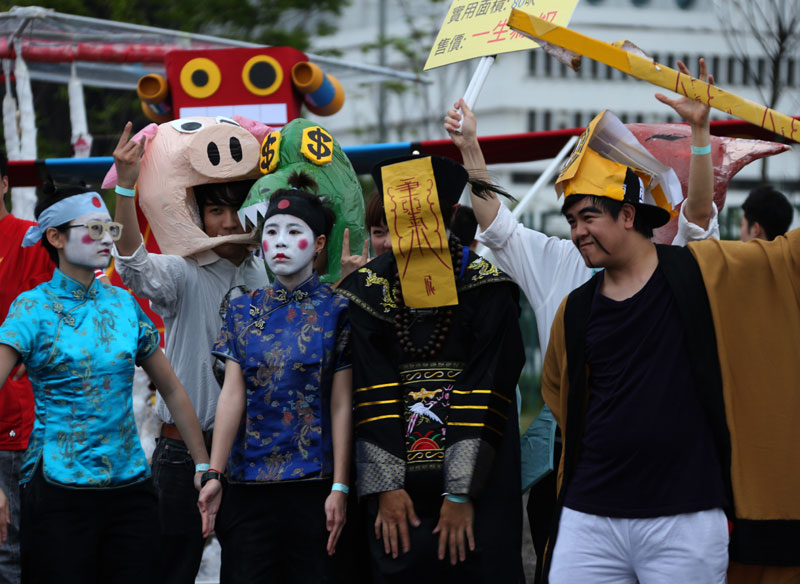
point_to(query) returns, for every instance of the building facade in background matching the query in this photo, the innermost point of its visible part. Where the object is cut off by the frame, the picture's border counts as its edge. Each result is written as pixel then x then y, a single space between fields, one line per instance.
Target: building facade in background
pixel 530 91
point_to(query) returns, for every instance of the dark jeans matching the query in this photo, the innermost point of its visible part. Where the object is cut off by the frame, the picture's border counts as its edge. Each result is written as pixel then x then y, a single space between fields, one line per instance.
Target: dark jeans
pixel 274 533
pixel 10 463
pixel 178 517
pixel 89 536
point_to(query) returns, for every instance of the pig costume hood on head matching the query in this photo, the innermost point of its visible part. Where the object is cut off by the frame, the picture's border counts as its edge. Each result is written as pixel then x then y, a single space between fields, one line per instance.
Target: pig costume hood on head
pixel 182 154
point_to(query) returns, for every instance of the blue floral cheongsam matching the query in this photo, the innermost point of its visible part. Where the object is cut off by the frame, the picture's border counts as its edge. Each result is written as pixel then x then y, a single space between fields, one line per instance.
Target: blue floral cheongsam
pixel 80 346
pixel 289 344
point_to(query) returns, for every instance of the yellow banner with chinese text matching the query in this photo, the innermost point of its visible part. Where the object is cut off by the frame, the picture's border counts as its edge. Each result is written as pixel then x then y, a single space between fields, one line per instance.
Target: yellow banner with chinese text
pixel 648 70
pixel 419 237
pixel 478 28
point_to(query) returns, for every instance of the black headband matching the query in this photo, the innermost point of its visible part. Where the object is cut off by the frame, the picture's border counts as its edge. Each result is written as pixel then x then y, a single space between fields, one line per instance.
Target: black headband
pixel 299 207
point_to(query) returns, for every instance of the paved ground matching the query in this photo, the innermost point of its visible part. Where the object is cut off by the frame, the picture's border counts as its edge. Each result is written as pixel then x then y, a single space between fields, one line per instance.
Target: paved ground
pixel 528 555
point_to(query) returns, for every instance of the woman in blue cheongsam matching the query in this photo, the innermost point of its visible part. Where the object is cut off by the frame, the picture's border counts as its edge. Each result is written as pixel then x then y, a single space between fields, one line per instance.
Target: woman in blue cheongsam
pixel 284 414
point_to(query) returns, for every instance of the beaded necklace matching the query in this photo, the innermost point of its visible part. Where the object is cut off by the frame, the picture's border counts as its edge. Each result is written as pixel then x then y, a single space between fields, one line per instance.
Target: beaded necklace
pixel 406 317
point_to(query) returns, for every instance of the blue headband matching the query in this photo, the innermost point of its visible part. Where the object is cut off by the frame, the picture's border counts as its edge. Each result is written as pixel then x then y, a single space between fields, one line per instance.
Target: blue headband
pixel 63 212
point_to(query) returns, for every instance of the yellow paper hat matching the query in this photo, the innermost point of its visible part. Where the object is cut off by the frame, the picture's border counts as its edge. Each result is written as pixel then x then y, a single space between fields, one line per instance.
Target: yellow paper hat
pixel 608 161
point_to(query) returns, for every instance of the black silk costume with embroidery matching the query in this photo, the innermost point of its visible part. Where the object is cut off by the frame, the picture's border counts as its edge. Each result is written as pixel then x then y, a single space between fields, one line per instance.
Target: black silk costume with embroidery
pixel 446 423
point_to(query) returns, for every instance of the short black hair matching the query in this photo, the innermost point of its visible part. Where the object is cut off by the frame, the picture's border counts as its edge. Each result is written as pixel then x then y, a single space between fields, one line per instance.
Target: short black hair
pixel 464 225
pixel 612 207
pixel 769 208
pixel 3 163
pixel 50 196
pixel 226 194
pixel 375 214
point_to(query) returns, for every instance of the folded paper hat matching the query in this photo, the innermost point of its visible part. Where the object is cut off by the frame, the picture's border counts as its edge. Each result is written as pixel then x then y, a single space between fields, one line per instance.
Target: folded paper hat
pixel 608 161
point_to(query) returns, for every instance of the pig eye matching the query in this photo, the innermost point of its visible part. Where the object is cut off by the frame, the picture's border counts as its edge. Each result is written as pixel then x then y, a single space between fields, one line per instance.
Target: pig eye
pixel 262 75
pixel 200 78
pixel 224 120
pixel 187 126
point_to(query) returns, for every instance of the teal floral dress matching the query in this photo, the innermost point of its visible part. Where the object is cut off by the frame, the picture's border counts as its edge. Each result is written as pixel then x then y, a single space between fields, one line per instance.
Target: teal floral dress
pixel 80 346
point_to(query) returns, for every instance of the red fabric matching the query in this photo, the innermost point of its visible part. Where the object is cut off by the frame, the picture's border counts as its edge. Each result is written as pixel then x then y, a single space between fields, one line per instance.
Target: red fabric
pixel 20 269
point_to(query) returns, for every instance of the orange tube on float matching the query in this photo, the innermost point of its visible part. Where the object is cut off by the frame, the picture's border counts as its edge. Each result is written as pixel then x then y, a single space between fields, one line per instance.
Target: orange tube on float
pixel 154 93
pixel 324 95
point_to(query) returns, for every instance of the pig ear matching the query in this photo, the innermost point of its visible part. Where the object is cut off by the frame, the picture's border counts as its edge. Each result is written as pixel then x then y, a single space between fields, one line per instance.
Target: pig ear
pixel 257 129
pixel 147 132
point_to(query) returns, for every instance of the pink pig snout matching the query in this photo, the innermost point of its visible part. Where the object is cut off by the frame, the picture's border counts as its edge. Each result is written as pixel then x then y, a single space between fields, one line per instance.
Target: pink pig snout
pixel 225 151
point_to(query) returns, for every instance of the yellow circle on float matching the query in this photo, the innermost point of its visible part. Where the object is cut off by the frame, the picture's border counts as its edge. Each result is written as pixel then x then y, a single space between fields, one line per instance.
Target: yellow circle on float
pixel 200 78
pixel 262 75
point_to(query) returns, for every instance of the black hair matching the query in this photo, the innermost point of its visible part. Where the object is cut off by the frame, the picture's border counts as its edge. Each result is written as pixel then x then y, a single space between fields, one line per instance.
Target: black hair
pixel 464 225
pixel 3 163
pixel 613 208
pixel 375 214
pixel 769 208
pixel 481 188
pixel 303 185
pixel 50 196
pixel 227 194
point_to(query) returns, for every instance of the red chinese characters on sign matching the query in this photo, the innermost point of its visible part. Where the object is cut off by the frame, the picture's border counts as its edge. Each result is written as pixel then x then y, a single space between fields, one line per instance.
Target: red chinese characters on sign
pixel 499 33
pixel 429 289
pixel 415 236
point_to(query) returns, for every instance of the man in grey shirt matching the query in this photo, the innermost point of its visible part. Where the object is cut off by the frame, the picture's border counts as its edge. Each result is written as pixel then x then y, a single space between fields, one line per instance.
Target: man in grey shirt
pixel 187 293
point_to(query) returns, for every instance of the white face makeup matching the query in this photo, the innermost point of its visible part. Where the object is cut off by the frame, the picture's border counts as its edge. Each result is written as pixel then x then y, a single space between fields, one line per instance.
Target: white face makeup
pixel 82 250
pixel 288 245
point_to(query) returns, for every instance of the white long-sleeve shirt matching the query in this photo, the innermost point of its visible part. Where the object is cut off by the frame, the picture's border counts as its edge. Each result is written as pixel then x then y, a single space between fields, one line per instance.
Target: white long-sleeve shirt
pixel 187 293
pixel 548 268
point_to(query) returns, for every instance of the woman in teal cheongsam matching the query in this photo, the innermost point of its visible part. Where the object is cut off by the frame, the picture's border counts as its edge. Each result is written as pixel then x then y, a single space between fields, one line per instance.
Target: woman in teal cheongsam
pixel 88 505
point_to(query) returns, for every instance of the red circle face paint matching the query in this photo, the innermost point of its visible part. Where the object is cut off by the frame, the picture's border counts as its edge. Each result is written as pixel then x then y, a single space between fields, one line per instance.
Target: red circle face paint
pixel 86 239
pixel 96 202
pixel 283 204
pixel 265 246
pixel 302 244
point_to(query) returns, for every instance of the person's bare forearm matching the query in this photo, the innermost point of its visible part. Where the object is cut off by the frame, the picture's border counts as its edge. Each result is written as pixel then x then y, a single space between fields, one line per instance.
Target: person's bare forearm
pixel 131 237
pixel 461 124
pixel 127 156
pixel 230 409
pixel 700 195
pixel 342 424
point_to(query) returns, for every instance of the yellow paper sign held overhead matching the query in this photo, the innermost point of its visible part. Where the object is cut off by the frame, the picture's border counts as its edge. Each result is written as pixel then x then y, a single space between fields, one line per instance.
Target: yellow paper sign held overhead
pixel 478 28
pixel 648 70
pixel 419 237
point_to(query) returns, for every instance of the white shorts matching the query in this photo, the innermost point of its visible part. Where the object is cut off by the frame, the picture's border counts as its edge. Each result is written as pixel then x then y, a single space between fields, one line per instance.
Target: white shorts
pixel 690 548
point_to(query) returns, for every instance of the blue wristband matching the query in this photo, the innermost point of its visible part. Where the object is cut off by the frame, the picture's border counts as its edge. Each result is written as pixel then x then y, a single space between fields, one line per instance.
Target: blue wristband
pixel 202 467
pixel 340 487
pixel 700 150
pixel 457 498
pixel 125 192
